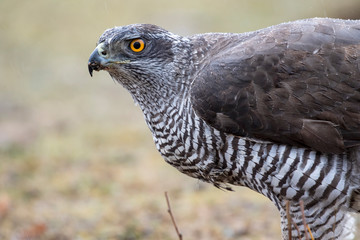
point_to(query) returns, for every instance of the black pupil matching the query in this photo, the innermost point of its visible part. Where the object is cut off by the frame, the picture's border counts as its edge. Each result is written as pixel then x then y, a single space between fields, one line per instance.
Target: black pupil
pixel 137 45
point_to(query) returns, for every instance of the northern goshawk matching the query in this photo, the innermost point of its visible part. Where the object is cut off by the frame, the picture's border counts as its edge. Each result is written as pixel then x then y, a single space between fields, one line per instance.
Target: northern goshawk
pixel 276 110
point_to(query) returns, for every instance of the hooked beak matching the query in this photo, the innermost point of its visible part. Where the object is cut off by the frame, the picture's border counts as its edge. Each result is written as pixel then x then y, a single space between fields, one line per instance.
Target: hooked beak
pixel 100 60
pixel 95 61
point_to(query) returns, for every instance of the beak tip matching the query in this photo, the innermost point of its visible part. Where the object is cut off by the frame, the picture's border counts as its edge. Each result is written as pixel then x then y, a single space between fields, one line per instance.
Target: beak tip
pixel 90 69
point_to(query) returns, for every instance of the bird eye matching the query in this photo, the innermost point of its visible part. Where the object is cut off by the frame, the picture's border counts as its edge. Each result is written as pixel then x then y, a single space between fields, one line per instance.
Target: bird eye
pixel 137 45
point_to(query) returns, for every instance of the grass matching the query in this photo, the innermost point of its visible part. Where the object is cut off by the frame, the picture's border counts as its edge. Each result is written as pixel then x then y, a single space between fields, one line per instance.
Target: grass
pixel 76 158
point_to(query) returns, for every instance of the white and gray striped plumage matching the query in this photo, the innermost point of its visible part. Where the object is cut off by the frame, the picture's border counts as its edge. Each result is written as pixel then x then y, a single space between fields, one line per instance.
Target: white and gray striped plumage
pixel 276 110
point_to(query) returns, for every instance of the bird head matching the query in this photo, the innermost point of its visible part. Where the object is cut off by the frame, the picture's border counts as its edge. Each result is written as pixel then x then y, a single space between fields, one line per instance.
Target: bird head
pixel 140 57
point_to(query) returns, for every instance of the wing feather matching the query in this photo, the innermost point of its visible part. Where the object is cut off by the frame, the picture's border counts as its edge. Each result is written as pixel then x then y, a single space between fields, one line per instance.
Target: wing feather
pixel 295 83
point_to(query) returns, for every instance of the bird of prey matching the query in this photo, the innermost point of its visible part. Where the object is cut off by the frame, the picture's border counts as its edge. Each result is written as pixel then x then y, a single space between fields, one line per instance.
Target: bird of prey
pixel 276 110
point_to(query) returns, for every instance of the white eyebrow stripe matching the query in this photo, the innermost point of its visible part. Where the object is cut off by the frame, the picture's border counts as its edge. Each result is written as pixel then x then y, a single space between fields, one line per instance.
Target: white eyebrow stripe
pixel 109 40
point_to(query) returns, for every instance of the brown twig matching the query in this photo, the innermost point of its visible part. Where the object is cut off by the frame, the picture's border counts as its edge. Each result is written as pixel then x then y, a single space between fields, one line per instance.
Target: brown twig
pixel 172 217
pixel 303 218
pixel 334 224
pixel 290 221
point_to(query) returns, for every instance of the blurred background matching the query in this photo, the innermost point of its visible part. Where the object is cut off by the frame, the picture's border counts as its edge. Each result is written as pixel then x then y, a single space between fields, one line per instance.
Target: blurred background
pixel 76 158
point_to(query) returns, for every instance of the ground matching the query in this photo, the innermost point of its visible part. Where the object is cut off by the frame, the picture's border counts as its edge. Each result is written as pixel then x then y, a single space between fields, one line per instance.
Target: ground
pixel 69 174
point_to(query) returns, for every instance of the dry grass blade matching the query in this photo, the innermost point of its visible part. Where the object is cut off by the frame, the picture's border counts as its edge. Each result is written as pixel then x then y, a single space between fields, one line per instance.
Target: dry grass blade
pixel 303 218
pixel 172 217
pixel 311 236
pixel 289 219
pixel 291 222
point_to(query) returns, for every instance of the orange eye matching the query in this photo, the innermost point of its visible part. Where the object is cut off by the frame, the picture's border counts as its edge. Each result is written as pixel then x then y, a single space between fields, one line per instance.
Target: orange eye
pixel 137 45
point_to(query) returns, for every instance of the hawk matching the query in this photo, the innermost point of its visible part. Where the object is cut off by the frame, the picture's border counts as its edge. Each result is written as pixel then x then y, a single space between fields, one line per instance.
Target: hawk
pixel 276 110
